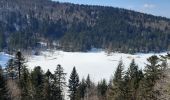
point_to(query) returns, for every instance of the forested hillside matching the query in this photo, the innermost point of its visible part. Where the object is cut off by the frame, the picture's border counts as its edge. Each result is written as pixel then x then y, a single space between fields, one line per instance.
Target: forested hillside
pixel 24 23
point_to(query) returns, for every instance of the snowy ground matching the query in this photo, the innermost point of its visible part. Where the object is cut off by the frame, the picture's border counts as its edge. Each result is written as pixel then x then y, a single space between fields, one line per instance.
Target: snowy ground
pixel 98 64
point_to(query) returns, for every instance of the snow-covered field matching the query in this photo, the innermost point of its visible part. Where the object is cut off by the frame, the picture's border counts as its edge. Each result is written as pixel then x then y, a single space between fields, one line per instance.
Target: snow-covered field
pixel 98 64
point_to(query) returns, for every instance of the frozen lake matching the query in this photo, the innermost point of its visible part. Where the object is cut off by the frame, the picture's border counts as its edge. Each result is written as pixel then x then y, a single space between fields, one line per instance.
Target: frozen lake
pixel 98 64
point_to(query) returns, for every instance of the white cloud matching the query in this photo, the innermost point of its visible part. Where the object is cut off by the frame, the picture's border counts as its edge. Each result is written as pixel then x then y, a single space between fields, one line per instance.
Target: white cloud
pixel 149 6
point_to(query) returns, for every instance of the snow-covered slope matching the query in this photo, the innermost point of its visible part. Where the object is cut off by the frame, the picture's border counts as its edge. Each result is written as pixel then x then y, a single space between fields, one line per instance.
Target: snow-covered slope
pixel 98 64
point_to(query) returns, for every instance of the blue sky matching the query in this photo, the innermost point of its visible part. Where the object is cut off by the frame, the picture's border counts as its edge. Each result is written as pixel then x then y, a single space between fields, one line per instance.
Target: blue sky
pixel 155 7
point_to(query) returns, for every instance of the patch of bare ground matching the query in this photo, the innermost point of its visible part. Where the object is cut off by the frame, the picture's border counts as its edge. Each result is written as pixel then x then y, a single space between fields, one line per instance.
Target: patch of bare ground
pixel 162 87
pixel 14 90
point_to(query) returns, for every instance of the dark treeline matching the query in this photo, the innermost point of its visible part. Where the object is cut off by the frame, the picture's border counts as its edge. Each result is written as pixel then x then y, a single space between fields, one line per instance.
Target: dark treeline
pixel 18 83
pixel 80 27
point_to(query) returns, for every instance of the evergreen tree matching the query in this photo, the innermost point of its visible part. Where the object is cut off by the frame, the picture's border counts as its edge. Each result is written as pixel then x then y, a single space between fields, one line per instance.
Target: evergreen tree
pixel 19 62
pixel 89 86
pixel 3 87
pixel 73 85
pixel 88 82
pixel 118 82
pixel 118 76
pixel 11 69
pixel 135 76
pixel 82 89
pixel 152 74
pixel 110 91
pixel 59 82
pixel 48 86
pixel 126 89
pixel 37 78
pixel 25 84
pixel 102 89
pixel 152 70
pixel 133 69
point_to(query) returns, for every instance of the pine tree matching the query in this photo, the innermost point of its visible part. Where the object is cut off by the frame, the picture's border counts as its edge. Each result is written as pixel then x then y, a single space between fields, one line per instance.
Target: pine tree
pixel 3 87
pixel 152 74
pixel 25 84
pixel 133 69
pixel 126 87
pixel 82 89
pixel 48 85
pixel 88 81
pixel 11 69
pixel 152 70
pixel 89 87
pixel 110 91
pixel 118 76
pixel 135 76
pixel 118 82
pixel 37 78
pixel 102 89
pixel 73 85
pixel 19 62
pixel 59 82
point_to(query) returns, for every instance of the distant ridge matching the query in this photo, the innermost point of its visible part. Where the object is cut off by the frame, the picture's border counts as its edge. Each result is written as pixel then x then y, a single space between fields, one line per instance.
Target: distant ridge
pixel 73 27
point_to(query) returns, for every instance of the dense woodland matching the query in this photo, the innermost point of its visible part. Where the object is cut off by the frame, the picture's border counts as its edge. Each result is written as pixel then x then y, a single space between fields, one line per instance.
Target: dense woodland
pixel 17 82
pixel 24 23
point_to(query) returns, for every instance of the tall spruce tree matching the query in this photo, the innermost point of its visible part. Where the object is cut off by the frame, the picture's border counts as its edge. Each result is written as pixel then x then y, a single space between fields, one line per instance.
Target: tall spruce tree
pixel 11 69
pixel 152 74
pixel 88 81
pixel 25 84
pixel 89 85
pixel 73 85
pixel 134 76
pixel 126 91
pixel 48 85
pixel 153 69
pixel 118 82
pixel 102 89
pixel 82 89
pixel 37 78
pixel 118 76
pixel 59 82
pixel 19 62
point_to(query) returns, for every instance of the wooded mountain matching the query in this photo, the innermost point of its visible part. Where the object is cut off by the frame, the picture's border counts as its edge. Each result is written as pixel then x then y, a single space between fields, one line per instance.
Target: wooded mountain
pixel 24 23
